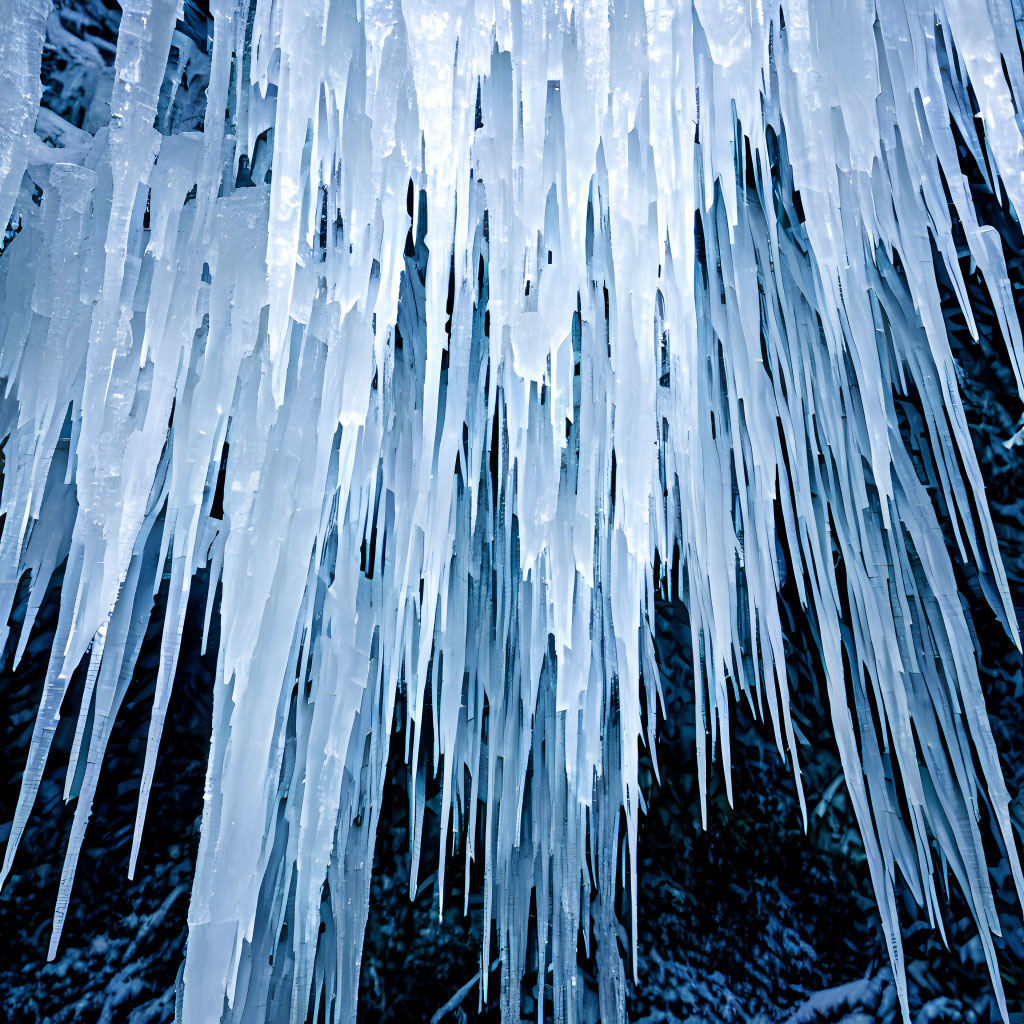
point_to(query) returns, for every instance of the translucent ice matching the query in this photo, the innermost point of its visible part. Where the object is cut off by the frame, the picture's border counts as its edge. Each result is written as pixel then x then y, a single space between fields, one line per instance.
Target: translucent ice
pixel 480 312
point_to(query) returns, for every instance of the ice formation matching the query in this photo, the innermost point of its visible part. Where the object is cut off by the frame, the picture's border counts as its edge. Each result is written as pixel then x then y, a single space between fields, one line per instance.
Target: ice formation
pixel 445 334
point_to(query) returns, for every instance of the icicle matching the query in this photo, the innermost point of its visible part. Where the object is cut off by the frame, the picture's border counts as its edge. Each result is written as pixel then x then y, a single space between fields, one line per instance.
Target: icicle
pixel 449 324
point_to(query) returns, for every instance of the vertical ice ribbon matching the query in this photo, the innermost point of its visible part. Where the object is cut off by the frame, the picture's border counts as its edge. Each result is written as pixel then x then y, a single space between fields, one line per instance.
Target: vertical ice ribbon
pixel 478 312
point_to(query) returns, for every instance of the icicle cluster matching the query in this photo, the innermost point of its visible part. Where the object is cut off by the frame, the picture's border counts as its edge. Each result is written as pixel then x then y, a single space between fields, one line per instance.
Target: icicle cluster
pixel 434 333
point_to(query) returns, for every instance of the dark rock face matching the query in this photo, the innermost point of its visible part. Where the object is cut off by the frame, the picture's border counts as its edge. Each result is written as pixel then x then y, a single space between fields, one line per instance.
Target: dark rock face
pixel 122 946
pixel 752 919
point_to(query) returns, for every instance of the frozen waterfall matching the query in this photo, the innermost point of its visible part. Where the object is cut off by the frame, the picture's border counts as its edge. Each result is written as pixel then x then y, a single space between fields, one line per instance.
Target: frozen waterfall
pixel 445 335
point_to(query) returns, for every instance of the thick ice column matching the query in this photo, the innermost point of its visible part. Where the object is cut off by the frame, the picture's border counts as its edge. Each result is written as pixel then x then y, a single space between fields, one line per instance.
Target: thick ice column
pixel 20 89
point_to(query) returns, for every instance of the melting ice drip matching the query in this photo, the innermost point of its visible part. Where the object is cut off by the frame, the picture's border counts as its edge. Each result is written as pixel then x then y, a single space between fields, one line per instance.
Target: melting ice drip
pixel 679 269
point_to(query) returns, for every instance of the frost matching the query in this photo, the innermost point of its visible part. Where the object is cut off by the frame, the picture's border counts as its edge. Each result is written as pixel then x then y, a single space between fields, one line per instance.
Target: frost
pixel 446 337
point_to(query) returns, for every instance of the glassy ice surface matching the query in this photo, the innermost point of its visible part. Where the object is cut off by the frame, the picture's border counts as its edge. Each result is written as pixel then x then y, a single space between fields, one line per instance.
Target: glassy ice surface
pixel 445 336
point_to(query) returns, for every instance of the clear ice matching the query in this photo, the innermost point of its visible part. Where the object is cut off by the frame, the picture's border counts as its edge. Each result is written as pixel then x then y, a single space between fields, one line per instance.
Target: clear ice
pixel 446 334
